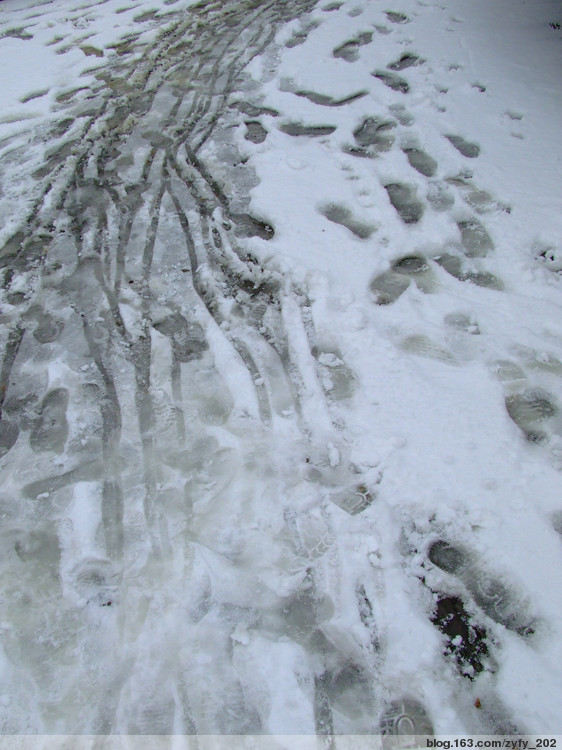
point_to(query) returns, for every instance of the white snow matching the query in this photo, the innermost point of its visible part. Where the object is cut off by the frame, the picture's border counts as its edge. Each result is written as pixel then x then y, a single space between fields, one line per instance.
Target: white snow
pixel 293 544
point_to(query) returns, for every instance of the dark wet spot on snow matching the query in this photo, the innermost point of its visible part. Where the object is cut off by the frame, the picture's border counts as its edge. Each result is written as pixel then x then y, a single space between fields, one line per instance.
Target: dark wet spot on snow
pixel 465 642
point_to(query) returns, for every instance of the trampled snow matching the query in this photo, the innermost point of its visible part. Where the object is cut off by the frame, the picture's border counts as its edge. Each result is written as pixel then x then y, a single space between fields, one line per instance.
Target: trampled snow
pixel 281 399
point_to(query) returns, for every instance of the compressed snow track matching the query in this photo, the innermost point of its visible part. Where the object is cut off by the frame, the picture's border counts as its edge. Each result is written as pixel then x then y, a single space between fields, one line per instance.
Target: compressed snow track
pixel 265 390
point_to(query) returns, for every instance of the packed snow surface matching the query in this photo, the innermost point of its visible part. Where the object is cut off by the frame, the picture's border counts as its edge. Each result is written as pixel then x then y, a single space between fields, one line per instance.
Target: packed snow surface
pixel 281 386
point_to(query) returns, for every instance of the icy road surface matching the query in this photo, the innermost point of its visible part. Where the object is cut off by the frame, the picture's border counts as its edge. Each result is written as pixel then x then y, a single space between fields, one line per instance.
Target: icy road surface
pixel 281 321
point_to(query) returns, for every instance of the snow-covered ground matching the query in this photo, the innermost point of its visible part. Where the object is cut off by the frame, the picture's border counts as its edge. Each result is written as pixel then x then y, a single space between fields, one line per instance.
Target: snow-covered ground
pixel 281 395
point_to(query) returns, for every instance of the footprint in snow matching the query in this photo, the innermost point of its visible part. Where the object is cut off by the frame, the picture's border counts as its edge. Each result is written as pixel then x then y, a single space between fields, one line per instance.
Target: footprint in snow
pixel 495 599
pixel 466 148
pixel 405 61
pixel 405 716
pixel 395 17
pixel 461 322
pixel 529 409
pixel 533 409
pixel 349 51
pixel 421 161
pixel 355 499
pixel 253 110
pixel 336 377
pixel 476 241
pixel 404 200
pixel 255 132
pixel 297 129
pixel 343 216
pixel 34 95
pixel 458 268
pixel 402 115
pixel 439 196
pixel 423 346
pixel 48 329
pixel 323 100
pixel 9 433
pixel 393 81
pixel 374 135
pixel 17 33
pixel 550 257
pixel 300 36
pixel 51 430
pixel 480 200
pixel 390 285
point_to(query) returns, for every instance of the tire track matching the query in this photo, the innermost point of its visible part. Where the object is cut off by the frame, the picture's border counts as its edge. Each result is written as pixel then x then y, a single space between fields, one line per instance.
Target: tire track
pixel 140 251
